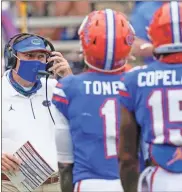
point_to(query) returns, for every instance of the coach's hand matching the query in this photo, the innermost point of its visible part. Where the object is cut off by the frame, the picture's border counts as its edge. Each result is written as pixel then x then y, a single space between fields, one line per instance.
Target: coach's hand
pixel 61 66
pixel 9 162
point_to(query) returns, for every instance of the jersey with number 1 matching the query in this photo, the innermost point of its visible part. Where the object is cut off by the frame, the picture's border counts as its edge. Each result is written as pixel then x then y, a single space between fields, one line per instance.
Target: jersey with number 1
pixel 154 94
pixel 90 102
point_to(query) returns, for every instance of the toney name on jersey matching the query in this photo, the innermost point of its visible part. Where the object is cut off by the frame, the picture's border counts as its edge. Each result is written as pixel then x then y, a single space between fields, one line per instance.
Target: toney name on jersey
pixel 155 78
pixel 102 87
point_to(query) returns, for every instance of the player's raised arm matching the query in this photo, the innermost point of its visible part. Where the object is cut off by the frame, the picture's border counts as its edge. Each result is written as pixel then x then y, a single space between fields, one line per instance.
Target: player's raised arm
pixel 128 151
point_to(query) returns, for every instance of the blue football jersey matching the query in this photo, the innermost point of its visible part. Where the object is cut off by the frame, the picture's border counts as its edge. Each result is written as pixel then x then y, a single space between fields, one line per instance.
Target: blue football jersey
pixel 90 102
pixel 154 94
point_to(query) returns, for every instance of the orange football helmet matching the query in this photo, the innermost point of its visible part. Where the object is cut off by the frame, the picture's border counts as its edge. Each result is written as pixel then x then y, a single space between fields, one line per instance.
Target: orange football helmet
pixel 165 32
pixel 106 39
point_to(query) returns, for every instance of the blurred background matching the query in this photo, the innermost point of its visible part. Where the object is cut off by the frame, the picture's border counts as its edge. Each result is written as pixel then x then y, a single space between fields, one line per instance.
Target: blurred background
pixel 58 21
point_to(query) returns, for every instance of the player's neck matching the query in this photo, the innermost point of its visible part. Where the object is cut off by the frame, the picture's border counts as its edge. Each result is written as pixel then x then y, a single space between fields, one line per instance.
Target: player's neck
pixel 21 81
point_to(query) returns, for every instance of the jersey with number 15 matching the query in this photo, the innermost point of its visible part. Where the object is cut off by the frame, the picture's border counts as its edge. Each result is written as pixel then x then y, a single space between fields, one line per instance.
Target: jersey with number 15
pixel 154 94
pixel 90 102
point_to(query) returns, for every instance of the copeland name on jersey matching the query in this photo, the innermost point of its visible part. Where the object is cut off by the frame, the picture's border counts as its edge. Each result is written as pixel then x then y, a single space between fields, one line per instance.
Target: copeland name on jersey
pixel 102 87
pixel 155 78
pixel 159 87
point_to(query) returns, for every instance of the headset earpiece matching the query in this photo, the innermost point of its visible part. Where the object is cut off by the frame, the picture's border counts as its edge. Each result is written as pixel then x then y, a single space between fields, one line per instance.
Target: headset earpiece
pixel 10 59
pixel 9 52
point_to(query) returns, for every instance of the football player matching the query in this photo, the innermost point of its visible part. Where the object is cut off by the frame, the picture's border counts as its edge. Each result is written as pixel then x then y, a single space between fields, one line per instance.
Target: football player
pixel 90 101
pixel 151 100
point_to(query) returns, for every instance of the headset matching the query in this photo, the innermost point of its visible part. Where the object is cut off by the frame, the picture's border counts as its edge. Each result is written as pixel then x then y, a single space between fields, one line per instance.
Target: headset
pixel 10 59
pixel 9 51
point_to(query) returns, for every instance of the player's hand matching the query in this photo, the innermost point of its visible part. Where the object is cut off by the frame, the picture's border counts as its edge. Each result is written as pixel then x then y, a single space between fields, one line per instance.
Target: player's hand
pixel 9 162
pixel 61 66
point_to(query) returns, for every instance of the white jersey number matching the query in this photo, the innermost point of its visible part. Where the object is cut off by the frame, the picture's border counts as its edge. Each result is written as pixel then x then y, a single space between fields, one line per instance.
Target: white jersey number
pixel 166 109
pixel 109 114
